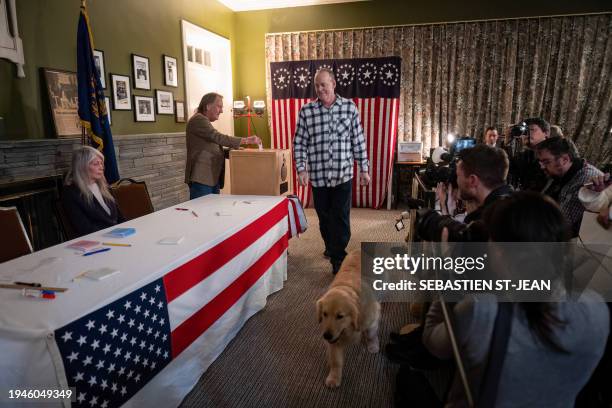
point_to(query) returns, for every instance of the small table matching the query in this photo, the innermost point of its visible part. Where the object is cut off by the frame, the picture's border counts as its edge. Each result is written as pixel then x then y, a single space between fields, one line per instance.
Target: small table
pixel 398 166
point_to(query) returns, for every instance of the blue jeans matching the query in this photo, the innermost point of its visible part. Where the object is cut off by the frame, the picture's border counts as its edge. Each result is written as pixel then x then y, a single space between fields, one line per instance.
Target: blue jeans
pixel 200 190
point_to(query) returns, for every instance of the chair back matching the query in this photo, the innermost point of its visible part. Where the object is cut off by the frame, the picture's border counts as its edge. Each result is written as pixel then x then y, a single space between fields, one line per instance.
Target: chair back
pixel 132 198
pixel 14 241
pixel 64 222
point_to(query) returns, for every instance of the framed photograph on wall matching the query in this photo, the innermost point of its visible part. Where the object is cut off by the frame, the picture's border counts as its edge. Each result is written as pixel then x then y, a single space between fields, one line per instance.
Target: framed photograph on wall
pixel 170 71
pixel 64 101
pixel 141 72
pixel 144 109
pixel 100 67
pixel 122 92
pixel 190 53
pixel 179 109
pixel 165 102
pixel 107 101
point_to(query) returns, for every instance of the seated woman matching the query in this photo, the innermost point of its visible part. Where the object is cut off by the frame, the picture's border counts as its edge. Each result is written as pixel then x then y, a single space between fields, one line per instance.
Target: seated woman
pixel 86 198
pixel 553 348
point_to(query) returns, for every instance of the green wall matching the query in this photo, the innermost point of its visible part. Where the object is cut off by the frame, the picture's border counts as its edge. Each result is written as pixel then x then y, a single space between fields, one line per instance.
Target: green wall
pixel 252 26
pixel 120 27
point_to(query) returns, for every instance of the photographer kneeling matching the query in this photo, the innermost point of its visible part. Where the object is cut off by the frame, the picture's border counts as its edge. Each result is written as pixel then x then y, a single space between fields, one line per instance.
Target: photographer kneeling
pixel 551 348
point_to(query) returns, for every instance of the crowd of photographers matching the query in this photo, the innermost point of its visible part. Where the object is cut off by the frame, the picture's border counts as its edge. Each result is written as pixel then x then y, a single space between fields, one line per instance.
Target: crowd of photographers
pixel 524 188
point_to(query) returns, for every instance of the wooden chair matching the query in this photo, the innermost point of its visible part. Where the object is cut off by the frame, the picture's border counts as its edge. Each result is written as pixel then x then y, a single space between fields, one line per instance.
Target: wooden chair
pixel 14 241
pixel 132 198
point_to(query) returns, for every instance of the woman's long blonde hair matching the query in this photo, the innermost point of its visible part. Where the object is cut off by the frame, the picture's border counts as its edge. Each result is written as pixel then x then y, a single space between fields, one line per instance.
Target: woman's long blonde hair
pixel 79 173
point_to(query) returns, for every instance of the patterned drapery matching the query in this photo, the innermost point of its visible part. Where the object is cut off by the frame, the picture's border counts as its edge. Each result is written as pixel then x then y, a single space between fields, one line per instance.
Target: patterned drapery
pixel 462 77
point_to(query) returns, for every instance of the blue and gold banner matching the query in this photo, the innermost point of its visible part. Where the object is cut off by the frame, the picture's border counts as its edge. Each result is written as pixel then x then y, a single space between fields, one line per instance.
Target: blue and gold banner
pixel 92 106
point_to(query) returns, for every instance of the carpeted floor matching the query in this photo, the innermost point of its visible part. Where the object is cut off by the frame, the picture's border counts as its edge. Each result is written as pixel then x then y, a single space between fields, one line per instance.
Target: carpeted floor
pixel 278 358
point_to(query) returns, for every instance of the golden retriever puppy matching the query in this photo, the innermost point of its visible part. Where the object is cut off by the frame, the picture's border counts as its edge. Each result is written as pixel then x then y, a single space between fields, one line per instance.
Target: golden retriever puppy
pixel 345 312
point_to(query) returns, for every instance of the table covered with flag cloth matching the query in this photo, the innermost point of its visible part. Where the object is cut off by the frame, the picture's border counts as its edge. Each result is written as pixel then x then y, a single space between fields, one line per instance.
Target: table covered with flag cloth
pixel 144 336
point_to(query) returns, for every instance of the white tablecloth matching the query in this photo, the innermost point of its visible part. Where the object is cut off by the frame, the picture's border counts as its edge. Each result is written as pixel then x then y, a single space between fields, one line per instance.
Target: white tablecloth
pixel 223 223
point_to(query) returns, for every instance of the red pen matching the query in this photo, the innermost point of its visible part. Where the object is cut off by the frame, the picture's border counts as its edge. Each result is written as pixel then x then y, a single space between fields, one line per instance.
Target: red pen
pixel 182 209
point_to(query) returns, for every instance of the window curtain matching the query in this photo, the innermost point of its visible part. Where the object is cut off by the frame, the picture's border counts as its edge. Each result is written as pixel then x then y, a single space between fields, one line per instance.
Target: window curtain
pixel 463 77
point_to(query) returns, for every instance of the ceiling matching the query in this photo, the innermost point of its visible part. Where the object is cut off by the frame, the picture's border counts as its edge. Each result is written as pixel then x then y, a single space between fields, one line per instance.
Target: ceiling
pixel 248 5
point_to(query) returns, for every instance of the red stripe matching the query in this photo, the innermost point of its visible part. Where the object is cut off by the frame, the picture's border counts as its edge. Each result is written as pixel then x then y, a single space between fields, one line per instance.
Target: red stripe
pixel 193 272
pixel 200 321
pixel 274 141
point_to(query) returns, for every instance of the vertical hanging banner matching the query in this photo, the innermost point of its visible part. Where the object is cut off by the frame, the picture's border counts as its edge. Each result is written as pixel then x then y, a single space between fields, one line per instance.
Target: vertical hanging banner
pixel 92 106
pixel 373 84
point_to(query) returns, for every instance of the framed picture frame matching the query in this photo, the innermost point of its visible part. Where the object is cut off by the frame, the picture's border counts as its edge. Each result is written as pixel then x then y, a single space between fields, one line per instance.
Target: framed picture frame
pixel 190 53
pixel 122 92
pixel 179 111
pixel 100 66
pixel 62 91
pixel 144 110
pixel 141 72
pixel 108 110
pixel 170 71
pixel 165 102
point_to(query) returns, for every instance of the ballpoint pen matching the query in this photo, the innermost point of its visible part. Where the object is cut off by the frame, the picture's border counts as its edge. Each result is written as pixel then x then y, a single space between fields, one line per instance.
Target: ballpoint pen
pixel 96 251
pixel 194 213
pixel 32 284
pixel 182 209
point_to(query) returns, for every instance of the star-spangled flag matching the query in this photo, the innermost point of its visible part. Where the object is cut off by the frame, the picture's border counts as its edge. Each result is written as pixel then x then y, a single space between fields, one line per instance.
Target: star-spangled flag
pixel 373 84
pixel 111 353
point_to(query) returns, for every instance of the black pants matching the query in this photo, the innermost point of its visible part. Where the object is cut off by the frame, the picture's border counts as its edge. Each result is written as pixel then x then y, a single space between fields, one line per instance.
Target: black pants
pixel 333 205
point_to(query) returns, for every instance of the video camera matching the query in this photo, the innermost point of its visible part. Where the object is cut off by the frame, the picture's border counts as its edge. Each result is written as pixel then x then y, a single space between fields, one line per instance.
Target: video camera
pixel 442 164
pixel 518 130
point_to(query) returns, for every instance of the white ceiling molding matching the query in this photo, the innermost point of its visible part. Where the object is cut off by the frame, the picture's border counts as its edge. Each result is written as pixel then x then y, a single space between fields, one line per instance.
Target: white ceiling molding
pixel 248 5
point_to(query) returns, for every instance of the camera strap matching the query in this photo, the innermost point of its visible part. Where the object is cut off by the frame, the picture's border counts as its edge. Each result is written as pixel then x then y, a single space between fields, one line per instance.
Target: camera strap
pixel 497 354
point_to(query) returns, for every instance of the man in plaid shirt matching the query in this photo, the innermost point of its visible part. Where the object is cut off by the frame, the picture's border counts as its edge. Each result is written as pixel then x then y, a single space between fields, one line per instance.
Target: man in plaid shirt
pixel 568 172
pixel 328 138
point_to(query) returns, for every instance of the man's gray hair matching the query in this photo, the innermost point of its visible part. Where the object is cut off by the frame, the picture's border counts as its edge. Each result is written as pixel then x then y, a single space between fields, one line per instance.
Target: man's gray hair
pixel 328 70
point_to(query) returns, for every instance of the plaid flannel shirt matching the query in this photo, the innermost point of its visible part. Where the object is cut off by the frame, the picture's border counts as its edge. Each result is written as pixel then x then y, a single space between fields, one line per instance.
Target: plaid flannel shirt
pixel 328 140
pixel 570 205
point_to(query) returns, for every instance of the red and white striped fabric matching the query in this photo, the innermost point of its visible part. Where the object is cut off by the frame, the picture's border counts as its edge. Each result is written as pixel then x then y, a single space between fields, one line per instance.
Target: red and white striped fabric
pixel 192 305
pixel 378 103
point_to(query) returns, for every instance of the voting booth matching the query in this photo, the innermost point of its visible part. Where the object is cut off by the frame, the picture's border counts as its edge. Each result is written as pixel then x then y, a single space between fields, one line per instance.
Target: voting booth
pixel 260 172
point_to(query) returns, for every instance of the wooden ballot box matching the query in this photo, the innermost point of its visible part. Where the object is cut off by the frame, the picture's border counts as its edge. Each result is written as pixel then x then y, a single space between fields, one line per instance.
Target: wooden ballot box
pixel 260 172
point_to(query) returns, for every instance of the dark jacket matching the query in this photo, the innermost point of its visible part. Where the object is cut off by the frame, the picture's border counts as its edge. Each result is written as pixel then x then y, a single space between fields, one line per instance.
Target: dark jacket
pixel 500 192
pixel 525 172
pixel 87 218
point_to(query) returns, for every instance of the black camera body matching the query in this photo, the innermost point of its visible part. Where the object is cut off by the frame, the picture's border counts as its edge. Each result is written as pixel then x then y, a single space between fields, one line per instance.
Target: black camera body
pixel 428 226
pixel 520 129
pixel 446 171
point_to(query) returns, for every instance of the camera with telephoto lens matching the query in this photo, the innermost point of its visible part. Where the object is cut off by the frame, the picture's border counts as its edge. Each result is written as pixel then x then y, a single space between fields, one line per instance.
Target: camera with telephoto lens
pixel 518 130
pixel 428 226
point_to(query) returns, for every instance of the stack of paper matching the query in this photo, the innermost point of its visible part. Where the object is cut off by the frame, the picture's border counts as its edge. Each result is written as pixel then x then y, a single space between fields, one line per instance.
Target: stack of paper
pixel 83 245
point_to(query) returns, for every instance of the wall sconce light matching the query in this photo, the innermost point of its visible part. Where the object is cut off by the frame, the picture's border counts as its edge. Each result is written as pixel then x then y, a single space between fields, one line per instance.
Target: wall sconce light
pixel 239 108
pixel 258 107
